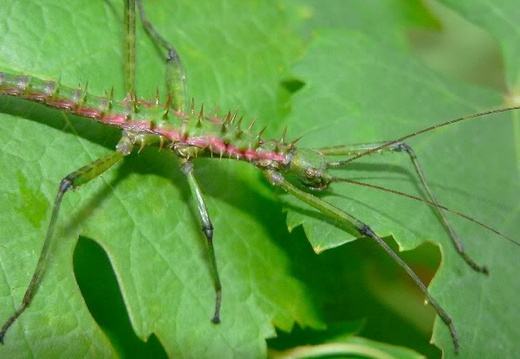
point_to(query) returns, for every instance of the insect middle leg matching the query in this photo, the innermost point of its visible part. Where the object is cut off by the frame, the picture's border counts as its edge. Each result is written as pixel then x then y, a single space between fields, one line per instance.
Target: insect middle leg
pixel 352 150
pixel 207 229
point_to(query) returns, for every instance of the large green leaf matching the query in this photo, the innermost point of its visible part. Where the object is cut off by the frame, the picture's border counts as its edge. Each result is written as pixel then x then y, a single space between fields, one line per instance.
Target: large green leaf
pixel 236 52
pixel 141 213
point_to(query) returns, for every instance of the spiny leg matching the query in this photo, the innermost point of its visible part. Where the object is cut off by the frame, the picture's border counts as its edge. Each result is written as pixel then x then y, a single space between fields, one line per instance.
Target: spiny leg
pixel 207 229
pixel 350 150
pixel 72 181
pixel 175 73
pixel 277 179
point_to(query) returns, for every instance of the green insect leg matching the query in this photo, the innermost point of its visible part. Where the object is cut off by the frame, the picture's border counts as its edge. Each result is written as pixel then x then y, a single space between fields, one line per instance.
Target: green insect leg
pixel 353 150
pixel 72 181
pixel 277 179
pixel 129 47
pixel 207 229
pixel 175 72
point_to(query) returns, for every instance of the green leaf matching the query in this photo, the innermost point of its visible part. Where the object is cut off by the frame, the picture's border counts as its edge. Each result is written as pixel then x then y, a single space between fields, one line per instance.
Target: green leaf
pixel 141 213
pixel 236 52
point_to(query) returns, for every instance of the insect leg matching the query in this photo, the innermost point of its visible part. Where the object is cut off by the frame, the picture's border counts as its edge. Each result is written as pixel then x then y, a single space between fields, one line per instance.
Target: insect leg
pixel 72 181
pixel 403 147
pixel 207 229
pixel 277 179
pixel 175 72
pixel 129 47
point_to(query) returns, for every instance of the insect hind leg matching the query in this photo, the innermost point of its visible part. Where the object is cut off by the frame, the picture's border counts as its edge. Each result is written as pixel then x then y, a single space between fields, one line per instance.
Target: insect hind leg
pixel 175 72
pixel 73 180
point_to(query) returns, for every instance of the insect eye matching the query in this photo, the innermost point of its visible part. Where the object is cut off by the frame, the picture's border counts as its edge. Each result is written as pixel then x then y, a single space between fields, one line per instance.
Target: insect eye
pixel 310 172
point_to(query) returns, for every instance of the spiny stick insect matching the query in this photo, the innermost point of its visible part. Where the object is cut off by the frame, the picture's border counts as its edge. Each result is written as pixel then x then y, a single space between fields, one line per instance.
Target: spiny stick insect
pixel 190 133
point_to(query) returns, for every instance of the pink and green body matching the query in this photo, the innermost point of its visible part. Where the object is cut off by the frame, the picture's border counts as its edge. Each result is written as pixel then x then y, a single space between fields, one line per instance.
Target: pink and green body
pixel 193 134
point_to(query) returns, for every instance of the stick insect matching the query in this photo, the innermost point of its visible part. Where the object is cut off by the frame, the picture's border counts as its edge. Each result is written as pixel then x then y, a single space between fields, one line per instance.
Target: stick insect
pixel 310 178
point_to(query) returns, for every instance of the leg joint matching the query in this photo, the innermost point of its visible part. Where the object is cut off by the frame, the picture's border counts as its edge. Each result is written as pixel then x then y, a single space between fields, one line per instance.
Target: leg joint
pixel 187 167
pixel 274 177
pixel 172 56
pixel 207 229
pixel 401 147
pixel 66 184
pixel 365 230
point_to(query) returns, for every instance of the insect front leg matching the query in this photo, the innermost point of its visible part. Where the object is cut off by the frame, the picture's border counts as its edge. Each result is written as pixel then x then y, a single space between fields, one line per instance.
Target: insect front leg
pixel 277 179
pixel 207 229
pixel 352 150
pixel 71 181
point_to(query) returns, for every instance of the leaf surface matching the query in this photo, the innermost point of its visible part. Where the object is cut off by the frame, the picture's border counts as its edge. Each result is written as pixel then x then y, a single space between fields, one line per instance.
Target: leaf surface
pixel 357 88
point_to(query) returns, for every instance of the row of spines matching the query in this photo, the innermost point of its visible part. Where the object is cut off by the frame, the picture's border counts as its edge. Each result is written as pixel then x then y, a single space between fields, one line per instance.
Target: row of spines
pixel 131 113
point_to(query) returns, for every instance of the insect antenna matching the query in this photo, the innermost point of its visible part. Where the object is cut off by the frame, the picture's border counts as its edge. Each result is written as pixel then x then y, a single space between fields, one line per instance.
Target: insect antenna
pixel 430 203
pixel 424 130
